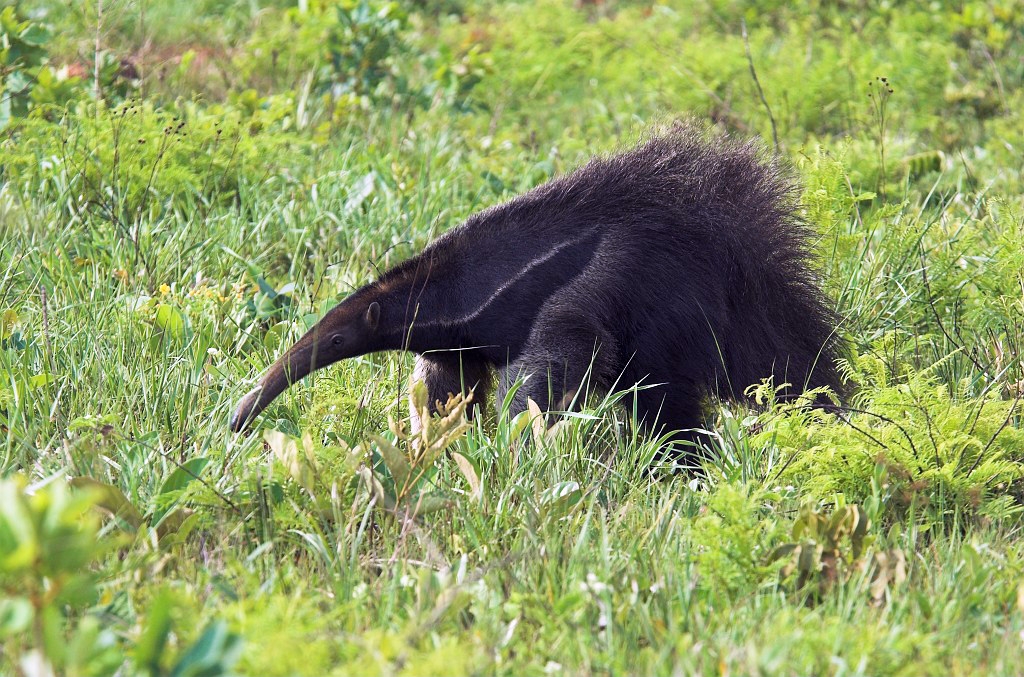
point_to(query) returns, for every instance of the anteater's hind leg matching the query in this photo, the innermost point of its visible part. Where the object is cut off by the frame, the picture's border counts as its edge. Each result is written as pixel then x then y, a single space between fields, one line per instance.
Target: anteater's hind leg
pixel 677 412
pixel 565 357
pixel 446 373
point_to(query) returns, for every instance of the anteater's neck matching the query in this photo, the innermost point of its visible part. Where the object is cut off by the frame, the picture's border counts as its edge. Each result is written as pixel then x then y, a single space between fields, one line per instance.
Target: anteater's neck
pixel 484 296
pixel 420 308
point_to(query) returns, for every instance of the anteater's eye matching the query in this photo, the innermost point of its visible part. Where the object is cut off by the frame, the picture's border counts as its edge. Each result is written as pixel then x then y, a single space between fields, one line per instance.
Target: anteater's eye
pixel 337 339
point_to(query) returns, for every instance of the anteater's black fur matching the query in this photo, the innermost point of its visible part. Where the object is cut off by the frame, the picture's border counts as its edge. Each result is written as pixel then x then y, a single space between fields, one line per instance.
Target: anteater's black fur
pixel 681 264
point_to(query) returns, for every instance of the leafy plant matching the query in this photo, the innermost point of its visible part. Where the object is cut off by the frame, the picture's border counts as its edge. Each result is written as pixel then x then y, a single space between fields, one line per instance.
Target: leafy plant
pixel 964 457
pixel 732 536
pixel 411 457
pixel 407 462
pixel 10 335
pixel 214 652
pixel 48 544
pixel 824 547
pixel 25 78
pixel 269 304
pixel 171 522
pixel 364 47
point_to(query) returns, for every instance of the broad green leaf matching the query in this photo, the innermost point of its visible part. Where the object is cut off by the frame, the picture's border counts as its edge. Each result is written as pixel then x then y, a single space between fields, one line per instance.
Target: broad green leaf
pixel 276 336
pixel 54 642
pixel 19 543
pixel 424 504
pixel 150 647
pixel 300 466
pixel 40 380
pixel 182 476
pixel 266 287
pixel 170 320
pixel 784 550
pixel 309 320
pixel 35 34
pixel 395 461
pixel 561 497
pixel 8 321
pixel 6 112
pixel 469 472
pixel 17 82
pixel 176 526
pixel 214 653
pixel 111 499
pixel 265 305
pixel 518 425
pixel 15 615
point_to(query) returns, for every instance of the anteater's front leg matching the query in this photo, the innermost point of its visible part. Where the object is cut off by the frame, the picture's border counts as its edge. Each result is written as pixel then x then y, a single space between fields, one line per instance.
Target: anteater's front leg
pixel 566 357
pixel 446 373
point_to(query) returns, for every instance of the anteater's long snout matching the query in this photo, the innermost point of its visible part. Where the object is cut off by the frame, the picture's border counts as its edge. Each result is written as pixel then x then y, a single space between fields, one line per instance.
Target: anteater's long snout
pixel 294 365
pixel 323 345
pixel 248 408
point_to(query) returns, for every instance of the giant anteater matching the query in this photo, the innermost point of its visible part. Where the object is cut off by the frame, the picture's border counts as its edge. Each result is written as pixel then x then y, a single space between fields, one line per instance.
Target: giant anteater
pixel 681 264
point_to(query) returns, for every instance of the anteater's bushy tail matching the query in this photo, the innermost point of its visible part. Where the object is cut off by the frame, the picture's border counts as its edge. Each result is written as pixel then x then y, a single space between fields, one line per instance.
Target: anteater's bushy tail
pixel 782 323
pixel 777 321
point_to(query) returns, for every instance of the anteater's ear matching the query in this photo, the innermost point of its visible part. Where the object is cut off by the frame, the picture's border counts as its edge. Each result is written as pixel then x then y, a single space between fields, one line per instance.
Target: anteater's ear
pixel 373 315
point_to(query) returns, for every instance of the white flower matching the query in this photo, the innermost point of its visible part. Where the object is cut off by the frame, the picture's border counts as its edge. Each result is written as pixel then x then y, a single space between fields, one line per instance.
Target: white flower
pixel 594 585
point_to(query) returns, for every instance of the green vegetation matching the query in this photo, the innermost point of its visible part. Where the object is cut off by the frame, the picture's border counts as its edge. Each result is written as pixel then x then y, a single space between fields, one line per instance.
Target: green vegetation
pixel 186 186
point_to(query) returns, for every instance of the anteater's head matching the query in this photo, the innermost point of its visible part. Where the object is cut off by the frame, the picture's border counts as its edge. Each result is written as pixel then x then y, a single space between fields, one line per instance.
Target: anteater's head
pixel 347 330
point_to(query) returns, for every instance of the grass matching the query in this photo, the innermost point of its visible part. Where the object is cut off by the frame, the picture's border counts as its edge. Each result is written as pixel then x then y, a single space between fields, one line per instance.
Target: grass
pixel 144 286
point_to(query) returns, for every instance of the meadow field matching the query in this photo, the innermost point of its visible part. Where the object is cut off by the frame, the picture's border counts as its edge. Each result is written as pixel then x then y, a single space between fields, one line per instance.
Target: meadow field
pixel 186 186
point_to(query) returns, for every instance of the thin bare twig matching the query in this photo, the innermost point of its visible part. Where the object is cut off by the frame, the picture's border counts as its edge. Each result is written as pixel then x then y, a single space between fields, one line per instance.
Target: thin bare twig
pixel 1006 422
pixel 181 466
pixel 837 408
pixel 50 368
pixel 46 328
pixel 97 92
pixel 942 327
pixel 757 83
